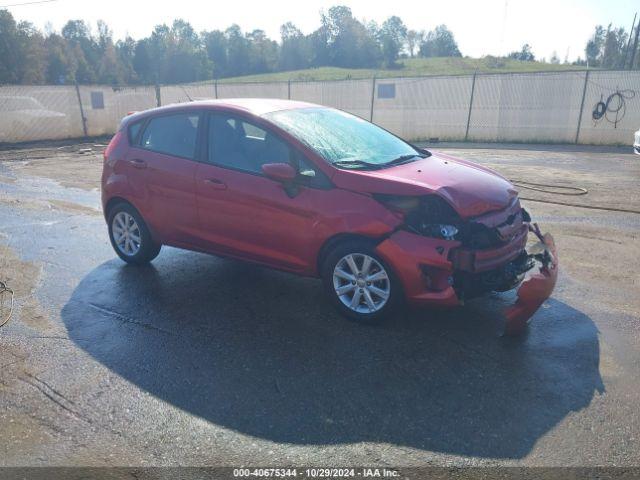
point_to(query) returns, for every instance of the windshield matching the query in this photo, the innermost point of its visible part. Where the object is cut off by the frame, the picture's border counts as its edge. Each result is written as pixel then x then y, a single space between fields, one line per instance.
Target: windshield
pixel 342 139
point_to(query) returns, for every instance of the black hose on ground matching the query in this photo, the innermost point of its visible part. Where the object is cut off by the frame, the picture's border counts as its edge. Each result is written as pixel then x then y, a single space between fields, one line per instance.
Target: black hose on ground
pixel 564 190
pixel 591 207
pixel 554 189
pixel 5 291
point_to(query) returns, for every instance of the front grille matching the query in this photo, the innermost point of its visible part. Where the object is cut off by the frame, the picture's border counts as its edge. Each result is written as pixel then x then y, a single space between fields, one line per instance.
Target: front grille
pixel 469 285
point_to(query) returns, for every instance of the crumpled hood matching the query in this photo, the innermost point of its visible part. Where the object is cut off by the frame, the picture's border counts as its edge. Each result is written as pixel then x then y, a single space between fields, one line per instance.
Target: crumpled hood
pixel 469 188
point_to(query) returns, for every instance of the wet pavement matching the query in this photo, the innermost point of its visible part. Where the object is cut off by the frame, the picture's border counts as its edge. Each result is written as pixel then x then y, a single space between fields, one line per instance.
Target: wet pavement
pixel 197 360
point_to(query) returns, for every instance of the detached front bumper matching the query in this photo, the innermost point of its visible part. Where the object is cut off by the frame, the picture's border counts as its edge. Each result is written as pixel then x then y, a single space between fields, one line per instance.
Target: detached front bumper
pixel 424 268
pixel 535 289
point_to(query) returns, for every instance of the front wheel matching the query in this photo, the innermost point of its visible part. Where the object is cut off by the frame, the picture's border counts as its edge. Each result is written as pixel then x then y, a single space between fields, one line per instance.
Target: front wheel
pixel 129 235
pixel 360 284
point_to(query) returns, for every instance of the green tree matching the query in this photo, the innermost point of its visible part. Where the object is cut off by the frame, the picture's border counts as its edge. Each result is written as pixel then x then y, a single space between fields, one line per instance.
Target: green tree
pixel 393 35
pixel 414 39
pixel 10 52
pixel 439 42
pixel 32 68
pixel 59 66
pixel 295 48
pixel 237 51
pixel 109 68
pixel 82 50
pixel 349 42
pixel 613 52
pixel 125 52
pixel 185 59
pixel 593 49
pixel 146 69
pixel 607 48
pixel 320 51
pixel 215 43
pixel 524 54
pixel 263 53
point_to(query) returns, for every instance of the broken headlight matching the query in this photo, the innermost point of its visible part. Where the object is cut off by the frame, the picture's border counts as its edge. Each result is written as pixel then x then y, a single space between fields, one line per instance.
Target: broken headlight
pixel 448 232
pixel 430 216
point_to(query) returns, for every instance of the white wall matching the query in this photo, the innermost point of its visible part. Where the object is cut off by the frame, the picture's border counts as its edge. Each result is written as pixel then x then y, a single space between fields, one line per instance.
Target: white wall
pixel 532 107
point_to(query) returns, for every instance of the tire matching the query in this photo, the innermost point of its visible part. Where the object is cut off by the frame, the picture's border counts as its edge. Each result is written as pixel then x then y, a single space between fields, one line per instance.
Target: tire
pixel 367 302
pixel 136 246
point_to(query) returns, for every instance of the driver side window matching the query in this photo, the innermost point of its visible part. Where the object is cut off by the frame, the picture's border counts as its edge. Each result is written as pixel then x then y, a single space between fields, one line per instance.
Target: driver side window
pixel 237 144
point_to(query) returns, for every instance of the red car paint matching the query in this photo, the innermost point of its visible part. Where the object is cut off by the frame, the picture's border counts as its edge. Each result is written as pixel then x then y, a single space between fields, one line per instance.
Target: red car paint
pixel 472 190
pixel 533 292
pixel 200 206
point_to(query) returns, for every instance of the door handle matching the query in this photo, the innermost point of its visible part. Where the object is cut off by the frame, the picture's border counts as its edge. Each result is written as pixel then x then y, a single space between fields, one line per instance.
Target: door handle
pixel 137 163
pixel 216 184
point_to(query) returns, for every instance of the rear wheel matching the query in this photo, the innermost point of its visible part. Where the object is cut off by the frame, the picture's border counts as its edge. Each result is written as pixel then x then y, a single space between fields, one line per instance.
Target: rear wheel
pixel 359 283
pixel 129 235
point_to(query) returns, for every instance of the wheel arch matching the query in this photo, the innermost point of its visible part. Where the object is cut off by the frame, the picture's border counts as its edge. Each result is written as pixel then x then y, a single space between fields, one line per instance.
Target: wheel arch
pixel 112 202
pixel 336 240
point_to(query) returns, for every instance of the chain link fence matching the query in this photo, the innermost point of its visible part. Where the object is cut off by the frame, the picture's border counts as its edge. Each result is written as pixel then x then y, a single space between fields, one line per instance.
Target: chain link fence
pixel 589 107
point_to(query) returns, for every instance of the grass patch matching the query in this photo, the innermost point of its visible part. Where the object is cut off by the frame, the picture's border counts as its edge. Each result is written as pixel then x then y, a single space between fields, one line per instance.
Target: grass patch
pixel 410 67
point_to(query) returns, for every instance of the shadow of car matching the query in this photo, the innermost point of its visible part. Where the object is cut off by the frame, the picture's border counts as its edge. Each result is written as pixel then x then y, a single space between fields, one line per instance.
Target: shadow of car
pixel 254 350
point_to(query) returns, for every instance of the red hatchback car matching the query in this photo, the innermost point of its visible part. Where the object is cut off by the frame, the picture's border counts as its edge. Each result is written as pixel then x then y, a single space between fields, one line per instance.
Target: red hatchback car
pixel 319 192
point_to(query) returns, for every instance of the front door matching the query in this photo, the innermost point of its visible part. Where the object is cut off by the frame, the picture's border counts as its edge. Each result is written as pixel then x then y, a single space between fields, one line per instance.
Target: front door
pixel 242 212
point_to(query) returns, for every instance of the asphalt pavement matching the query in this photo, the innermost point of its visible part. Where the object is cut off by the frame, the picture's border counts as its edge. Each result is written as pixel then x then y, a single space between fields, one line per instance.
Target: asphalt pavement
pixel 197 360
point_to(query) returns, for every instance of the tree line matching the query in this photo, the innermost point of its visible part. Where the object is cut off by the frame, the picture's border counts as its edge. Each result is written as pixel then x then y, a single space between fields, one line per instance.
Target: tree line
pixel 613 48
pixel 176 53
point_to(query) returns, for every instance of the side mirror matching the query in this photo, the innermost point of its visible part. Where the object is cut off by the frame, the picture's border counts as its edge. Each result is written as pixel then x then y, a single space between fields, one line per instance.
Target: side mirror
pixel 280 172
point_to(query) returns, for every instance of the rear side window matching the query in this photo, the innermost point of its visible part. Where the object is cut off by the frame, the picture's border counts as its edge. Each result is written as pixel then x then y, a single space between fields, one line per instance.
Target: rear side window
pixel 172 134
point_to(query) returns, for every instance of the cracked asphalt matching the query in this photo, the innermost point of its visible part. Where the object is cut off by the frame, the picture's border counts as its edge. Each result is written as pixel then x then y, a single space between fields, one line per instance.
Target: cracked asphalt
pixel 202 361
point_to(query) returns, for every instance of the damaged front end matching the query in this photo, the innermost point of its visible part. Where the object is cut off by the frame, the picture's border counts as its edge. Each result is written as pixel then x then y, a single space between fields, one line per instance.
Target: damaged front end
pixel 537 287
pixel 442 259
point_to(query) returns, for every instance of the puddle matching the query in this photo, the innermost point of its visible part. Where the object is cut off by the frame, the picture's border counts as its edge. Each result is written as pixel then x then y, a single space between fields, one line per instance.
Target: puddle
pixel 25 189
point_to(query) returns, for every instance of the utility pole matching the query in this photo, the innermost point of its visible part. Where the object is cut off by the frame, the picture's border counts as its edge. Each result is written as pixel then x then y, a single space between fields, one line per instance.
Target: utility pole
pixel 635 46
pixel 626 52
pixel 84 119
pixel 473 89
pixel 584 94
pixel 373 96
pixel 158 95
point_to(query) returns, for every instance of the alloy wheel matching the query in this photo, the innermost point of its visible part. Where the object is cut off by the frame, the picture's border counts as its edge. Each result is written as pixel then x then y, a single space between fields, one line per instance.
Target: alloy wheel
pixel 126 234
pixel 361 283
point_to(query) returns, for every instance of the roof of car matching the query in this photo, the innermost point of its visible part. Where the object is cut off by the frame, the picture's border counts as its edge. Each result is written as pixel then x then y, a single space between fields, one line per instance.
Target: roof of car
pixel 256 106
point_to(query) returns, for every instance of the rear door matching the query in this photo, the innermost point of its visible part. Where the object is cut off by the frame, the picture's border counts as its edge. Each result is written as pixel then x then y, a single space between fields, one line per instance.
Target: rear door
pixel 162 168
pixel 242 212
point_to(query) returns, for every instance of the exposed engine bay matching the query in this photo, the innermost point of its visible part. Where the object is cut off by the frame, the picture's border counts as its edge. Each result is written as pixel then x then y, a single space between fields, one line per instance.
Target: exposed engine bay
pixel 488 252
pixel 432 216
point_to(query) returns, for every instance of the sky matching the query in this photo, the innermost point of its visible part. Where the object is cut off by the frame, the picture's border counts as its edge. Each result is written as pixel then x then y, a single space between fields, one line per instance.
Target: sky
pixel 481 27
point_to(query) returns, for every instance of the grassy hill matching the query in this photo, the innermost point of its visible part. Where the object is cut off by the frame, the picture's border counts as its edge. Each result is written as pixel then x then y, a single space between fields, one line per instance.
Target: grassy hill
pixel 411 67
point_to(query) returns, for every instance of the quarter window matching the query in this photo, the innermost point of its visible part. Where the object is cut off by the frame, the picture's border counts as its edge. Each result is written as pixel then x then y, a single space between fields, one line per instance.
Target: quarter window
pixel 134 129
pixel 172 134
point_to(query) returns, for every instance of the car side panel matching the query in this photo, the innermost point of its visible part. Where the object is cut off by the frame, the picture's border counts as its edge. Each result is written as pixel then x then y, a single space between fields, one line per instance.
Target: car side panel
pixel 166 186
pixel 253 218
